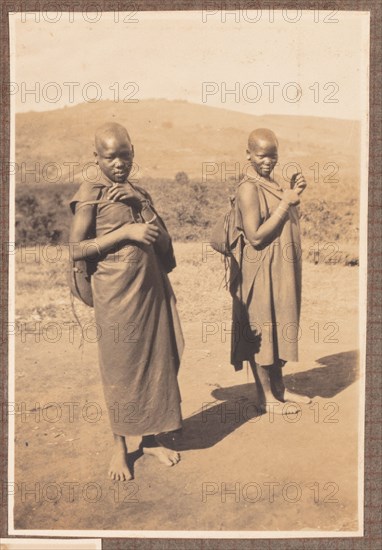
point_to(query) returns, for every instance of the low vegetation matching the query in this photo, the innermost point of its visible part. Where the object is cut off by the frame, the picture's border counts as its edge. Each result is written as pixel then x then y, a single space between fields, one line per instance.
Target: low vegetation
pixel 190 209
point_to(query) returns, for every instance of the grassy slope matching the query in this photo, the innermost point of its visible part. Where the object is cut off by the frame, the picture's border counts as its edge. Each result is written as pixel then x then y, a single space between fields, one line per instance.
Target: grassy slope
pixel 174 136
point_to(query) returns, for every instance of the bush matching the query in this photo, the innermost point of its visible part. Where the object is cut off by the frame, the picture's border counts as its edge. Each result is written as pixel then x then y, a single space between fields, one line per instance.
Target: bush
pixel 182 178
pixel 32 224
pixel 43 215
pixel 329 220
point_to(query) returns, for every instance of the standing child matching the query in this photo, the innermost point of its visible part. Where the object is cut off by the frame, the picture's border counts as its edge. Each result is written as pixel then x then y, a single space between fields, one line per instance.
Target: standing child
pixel 266 279
pixel 140 341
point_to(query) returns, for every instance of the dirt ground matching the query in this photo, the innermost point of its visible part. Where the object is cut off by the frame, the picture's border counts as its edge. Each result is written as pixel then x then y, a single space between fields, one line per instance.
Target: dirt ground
pixel 238 471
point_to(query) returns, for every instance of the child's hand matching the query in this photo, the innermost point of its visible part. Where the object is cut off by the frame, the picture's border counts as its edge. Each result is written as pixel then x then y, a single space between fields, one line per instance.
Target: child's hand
pixel 141 232
pixel 298 183
pixel 122 192
pixel 291 197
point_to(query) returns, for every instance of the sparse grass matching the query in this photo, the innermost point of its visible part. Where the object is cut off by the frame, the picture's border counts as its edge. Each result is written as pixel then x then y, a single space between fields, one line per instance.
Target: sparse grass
pixel 42 294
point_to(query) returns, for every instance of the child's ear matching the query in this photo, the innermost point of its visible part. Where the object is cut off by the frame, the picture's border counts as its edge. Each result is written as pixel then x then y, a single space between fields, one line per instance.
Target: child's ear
pixel 248 154
pixel 95 156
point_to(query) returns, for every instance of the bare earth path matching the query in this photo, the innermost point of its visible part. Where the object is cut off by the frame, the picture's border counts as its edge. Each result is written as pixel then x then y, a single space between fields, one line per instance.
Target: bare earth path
pixel 239 471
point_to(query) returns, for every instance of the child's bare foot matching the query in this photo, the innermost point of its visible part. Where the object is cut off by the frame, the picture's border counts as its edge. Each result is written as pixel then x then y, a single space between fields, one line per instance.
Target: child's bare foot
pixel 165 456
pixel 292 397
pixel 119 469
pixel 279 408
pixel 151 446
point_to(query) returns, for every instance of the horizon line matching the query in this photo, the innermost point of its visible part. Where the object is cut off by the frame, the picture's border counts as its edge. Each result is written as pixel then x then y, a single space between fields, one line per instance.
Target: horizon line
pixel 180 100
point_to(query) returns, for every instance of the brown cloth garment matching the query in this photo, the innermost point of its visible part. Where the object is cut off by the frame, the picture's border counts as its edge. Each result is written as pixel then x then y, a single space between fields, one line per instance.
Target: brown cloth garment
pixel 265 284
pixel 140 338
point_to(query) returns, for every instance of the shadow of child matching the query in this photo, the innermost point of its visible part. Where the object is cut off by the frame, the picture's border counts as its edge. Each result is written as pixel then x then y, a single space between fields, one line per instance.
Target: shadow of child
pixel 235 405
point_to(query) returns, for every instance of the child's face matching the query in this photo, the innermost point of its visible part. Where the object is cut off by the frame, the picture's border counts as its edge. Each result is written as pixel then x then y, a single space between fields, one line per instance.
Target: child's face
pixel 115 157
pixel 263 156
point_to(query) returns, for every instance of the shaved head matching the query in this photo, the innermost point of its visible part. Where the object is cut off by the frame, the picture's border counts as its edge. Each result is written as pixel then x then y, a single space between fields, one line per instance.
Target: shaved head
pixel 114 152
pixel 110 131
pixel 262 151
pixel 261 135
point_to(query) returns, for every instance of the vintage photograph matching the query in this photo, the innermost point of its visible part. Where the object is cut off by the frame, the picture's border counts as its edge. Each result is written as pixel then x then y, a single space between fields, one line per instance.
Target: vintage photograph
pixel 188 267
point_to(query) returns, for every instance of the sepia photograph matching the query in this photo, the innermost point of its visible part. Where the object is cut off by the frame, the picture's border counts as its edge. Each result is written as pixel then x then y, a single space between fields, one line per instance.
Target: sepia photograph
pixel 188 273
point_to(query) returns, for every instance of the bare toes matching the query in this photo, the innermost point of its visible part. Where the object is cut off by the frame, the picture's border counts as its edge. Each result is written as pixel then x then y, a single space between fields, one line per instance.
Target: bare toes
pixel 291 409
pixel 174 458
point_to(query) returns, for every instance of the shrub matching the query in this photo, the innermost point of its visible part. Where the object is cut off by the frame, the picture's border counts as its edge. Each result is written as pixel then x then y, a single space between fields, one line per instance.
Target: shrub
pixel 32 224
pixel 43 215
pixel 182 178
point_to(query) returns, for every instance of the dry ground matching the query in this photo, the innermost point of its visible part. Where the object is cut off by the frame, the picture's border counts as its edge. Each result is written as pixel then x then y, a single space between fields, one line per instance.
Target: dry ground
pixel 231 458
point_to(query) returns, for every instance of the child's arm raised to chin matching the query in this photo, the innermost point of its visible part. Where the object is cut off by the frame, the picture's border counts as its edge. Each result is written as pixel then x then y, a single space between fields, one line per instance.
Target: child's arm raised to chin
pixel 249 204
pixel 82 247
pixel 122 192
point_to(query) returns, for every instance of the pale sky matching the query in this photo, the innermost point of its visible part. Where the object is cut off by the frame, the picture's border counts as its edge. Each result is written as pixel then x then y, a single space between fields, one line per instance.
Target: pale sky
pixel 171 54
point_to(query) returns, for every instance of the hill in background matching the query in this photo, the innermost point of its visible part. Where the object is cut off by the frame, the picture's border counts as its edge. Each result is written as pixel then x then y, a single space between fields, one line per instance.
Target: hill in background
pixel 174 136
pixel 177 136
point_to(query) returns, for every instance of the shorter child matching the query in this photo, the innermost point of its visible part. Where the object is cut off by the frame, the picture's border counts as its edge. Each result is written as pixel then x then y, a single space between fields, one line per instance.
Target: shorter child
pixel 266 290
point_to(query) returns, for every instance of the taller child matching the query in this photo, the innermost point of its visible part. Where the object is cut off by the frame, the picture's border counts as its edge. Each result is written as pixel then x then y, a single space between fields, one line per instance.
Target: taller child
pixel 140 342
pixel 266 285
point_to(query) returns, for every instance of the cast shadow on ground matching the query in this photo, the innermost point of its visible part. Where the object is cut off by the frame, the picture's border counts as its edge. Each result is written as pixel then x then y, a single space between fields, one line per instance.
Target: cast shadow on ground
pixel 337 373
pixel 229 408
